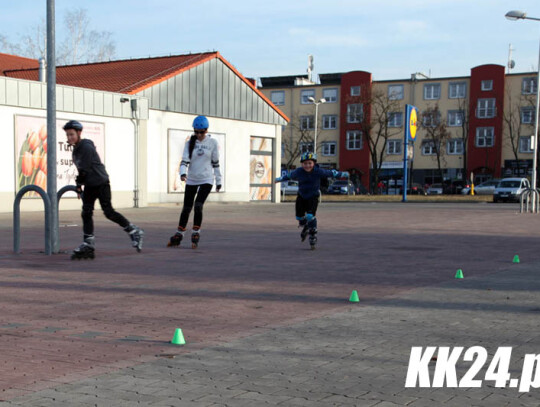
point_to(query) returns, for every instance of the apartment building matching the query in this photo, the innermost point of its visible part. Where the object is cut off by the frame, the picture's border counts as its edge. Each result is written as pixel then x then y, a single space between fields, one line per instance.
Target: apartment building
pixel 480 124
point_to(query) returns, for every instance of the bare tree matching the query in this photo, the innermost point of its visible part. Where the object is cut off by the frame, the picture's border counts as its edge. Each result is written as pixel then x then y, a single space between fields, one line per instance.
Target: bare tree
pixel 300 138
pixel 81 44
pixel 84 45
pixel 373 117
pixel 513 124
pixel 464 116
pixel 437 135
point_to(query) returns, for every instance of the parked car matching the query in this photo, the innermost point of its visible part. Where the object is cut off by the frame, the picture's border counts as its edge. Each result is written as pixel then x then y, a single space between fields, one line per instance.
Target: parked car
pixel 435 189
pixel 342 187
pixel 289 187
pixel 510 189
pixel 454 187
pixel 415 189
pixel 485 188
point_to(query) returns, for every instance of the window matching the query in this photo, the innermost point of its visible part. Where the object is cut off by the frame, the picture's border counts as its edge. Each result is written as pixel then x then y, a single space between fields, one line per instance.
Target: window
pixel 428 148
pixel 329 148
pixel 528 86
pixel 306 147
pixel 395 92
pixel 305 95
pixel 307 122
pixel 432 91
pixel 278 97
pixel 355 113
pixel 329 122
pixel 487 85
pixel 395 119
pixel 485 136
pixel 354 140
pixel 455 118
pixel 525 144
pixel 355 90
pixel 393 147
pixel 527 115
pixel 454 146
pixel 486 108
pixel 457 90
pixel 431 119
pixel 330 95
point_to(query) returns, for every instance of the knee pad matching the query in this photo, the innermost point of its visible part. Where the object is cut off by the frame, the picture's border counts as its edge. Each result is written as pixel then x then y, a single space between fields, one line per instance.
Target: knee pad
pixel 312 221
pixel 310 217
pixel 198 207
pixel 299 218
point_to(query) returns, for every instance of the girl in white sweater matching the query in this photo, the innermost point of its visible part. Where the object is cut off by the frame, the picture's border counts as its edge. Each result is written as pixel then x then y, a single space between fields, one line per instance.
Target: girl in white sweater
pixel 199 167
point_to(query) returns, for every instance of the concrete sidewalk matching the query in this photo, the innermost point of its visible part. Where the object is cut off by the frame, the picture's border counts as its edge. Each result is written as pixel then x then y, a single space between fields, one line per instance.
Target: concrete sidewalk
pixel 267 321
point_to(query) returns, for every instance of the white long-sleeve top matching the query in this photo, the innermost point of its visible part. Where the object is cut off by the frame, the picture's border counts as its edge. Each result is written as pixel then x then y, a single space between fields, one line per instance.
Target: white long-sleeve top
pixel 204 163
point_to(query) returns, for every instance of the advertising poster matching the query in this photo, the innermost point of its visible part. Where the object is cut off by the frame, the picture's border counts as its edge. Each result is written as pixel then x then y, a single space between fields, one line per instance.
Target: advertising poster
pixel 31 146
pixel 260 169
pixel 176 142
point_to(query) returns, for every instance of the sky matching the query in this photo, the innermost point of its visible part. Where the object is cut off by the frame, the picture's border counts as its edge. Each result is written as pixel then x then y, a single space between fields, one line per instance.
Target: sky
pixel 392 39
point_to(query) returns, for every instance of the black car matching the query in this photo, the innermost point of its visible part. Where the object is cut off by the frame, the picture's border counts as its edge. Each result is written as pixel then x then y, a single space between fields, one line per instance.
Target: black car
pixel 454 187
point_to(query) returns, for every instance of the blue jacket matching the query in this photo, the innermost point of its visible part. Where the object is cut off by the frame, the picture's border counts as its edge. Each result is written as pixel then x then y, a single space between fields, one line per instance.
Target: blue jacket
pixel 309 183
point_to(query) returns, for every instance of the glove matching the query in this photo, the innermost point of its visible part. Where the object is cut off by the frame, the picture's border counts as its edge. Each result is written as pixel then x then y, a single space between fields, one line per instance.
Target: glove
pixel 182 177
pixel 335 173
pixel 279 179
pixel 218 187
pixel 345 174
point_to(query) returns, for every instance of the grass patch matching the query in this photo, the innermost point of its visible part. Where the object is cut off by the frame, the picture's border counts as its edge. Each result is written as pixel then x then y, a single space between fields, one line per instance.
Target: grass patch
pixel 397 198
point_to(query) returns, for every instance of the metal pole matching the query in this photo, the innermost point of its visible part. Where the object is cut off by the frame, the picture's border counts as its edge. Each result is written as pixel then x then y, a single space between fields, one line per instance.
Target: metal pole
pixel 315 138
pixel 535 138
pixel 51 125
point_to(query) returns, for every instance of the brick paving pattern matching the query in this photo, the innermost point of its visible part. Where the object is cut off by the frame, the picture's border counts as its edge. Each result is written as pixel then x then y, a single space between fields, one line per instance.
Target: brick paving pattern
pixel 266 320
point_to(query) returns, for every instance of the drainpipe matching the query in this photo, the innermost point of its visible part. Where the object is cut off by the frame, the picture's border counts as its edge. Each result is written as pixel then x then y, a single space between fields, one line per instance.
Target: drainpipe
pixel 42 70
pixel 135 120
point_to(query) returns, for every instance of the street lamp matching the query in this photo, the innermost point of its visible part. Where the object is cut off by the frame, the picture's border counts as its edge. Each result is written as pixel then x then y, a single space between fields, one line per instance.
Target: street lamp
pixel 520 15
pixel 316 103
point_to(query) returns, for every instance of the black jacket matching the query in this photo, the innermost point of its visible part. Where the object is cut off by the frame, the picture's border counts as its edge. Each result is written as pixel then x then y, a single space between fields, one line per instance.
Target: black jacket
pixel 91 170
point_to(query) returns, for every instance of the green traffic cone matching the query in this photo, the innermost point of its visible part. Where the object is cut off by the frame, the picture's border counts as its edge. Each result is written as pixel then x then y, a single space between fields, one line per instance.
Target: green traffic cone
pixel 516 259
pixel 354 297
pixel 459 273
pixel 178 338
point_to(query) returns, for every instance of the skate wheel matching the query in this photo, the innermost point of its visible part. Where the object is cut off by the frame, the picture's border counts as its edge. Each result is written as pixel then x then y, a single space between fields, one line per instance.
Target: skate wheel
pixel 91 256
pixel 312 247
pixel 138 250
pixel 193 245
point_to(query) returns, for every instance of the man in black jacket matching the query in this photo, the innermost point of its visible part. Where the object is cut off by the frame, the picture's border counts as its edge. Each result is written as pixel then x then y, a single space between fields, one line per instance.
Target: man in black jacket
pixel 94 178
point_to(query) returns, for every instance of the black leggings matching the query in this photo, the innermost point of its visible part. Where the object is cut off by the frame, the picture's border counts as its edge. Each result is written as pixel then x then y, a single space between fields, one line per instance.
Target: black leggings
pixel 89 196
pixel 202 192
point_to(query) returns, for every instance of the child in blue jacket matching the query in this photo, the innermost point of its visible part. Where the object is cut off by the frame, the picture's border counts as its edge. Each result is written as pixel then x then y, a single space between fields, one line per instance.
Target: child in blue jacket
pixel 309 182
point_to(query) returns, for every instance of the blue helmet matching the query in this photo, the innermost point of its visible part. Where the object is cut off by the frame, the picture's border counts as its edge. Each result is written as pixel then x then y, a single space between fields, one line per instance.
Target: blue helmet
pixel 308 156
pixel 200 123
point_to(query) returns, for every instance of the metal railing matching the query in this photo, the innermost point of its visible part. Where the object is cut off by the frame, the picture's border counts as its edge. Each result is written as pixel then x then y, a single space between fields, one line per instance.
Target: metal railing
pixel 48 220
pixel 529 201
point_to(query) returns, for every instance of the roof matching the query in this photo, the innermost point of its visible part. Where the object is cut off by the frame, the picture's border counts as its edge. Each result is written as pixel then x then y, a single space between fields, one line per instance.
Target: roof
pixel 132 76
pixel 10 62
pixel 280 81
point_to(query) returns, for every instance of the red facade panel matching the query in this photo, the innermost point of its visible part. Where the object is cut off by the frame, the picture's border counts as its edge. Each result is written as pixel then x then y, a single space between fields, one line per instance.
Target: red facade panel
pixel 351 159
pixel 483 159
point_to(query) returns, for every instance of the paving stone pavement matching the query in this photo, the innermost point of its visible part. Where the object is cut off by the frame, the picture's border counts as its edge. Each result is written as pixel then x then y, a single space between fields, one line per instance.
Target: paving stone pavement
pixel 354 358
pixel 352 355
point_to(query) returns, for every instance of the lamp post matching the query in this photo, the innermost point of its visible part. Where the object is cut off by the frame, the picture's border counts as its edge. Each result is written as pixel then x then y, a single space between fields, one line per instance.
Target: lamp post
pixel 520 15
pixel 316 103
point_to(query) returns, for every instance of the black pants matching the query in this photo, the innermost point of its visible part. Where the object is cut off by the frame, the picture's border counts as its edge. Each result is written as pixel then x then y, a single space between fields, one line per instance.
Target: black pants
pixel 304 206
pixel 201 191
pixel 89 196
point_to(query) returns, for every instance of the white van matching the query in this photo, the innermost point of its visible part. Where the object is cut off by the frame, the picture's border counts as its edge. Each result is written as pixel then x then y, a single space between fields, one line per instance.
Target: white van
pixel 510 189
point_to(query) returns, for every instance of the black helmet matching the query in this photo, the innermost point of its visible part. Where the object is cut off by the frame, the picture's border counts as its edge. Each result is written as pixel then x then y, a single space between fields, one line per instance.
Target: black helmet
pixel 73 124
